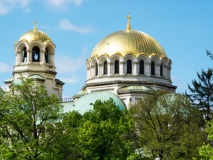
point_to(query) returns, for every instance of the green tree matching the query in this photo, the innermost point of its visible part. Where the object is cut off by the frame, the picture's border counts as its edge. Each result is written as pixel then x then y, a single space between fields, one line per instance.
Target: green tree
pixel 67 146
pixel 27 122
pixel 167 126
pixel 202 92
pixel 206 151
pixel 102 133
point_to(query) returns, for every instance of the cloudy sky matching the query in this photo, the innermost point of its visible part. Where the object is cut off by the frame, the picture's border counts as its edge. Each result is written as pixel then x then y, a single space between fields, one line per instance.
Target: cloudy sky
pixel 184 28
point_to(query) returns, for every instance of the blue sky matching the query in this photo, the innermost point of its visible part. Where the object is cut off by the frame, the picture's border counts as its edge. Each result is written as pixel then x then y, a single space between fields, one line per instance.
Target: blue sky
pixel 184 28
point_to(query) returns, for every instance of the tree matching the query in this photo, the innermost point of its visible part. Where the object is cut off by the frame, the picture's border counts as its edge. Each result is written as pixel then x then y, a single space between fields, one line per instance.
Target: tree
pixel 67 144
pixel 102 133
pixel 167 126
pixel 27 122
pixel 202 92
pixel 206 150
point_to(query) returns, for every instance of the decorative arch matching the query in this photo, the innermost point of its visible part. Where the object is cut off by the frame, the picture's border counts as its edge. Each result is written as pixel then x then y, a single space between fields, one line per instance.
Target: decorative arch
pixel 143 64
pixel 155 64
pixel 129 57
pixel 93 67
pixel 38 44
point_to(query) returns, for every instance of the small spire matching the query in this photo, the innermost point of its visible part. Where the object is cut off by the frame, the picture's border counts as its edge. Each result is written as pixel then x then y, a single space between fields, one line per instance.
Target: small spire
pixel 35 27
pixel 128 26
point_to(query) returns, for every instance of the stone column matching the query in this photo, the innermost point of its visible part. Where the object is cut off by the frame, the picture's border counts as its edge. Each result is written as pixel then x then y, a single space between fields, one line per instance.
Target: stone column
pixel 42 57
pixel 147 68
pixel 100 69
pixel 88 73
pixel 92 71
pixel 135 67
pixel 122 68
pixel 164 71
pixel 18 58
pixel 110 68
pixel 157 70
pixel 29 57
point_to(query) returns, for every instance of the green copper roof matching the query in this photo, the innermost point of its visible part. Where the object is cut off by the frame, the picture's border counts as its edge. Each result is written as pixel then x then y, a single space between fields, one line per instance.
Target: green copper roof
pixel 85 103
pixel 37 77
pixel 134 89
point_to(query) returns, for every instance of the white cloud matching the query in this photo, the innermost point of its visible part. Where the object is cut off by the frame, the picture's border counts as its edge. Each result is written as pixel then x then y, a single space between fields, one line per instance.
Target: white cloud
pixel 65 24
pixel 70 80
pixel 67 64
pixel 4 67
pixel 7 6
pixel 62 4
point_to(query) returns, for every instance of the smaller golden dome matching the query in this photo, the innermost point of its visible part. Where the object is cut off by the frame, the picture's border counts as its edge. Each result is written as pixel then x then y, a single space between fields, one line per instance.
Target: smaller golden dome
pixel 35 35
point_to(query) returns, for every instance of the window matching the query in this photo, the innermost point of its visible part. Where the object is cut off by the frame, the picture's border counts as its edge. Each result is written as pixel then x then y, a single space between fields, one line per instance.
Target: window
pixel 161 70
pixel 129 67
pixel 96 69
pixel 105 67
pixel 24 55
pixel 36 54
pixel 47 56
pixel 152 68
pixel 141 67
pixel 116 69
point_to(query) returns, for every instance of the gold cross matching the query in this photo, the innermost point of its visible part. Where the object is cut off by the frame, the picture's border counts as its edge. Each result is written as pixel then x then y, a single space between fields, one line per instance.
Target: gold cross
pixel 128 27
pixel 35 28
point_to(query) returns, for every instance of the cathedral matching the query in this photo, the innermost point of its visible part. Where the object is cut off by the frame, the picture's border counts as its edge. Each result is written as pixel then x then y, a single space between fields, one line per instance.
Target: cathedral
pixel 125 66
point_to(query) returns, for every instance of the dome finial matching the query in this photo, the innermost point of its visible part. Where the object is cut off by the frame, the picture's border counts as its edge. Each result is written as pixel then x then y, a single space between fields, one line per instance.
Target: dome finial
pixel 128 26
pixel 35 27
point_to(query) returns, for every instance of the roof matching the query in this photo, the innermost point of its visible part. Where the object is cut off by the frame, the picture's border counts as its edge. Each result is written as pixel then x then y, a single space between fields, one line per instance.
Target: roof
pixel 126 42
pixel 134 89
pixel 35 34
pixel 85 103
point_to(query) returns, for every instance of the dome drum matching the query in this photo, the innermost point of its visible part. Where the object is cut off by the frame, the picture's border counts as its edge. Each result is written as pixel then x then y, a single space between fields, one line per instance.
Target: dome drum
pixel 128 65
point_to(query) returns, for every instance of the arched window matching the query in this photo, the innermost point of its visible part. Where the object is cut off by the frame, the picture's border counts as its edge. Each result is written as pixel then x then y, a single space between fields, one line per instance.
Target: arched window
pixel 152 68
pixel 141 67
pixel 161 70
pixel 105 67
pixel 47 56
pixel 36 54
pixel 24 55
pixel 96 69
pixel 116 67
pixel 129 67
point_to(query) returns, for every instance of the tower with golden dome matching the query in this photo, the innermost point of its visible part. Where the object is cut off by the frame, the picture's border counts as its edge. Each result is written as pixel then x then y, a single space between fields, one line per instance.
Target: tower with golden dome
pixel 34 53
pixel 128 63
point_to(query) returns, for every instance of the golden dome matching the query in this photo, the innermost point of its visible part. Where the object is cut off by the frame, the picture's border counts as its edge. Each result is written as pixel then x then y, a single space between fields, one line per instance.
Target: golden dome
pixel 35 35
pixel 128 42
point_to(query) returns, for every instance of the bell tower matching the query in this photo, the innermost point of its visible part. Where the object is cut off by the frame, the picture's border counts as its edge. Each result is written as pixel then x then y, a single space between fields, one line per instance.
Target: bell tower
pixel 34 53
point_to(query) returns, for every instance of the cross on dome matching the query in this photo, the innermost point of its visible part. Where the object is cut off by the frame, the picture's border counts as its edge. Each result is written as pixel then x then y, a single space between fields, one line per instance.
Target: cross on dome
pixel 128 27
pixel 35 27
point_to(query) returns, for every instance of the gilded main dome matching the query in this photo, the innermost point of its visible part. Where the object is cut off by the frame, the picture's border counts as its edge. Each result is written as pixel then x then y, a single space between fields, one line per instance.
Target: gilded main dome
pixel 128 42
pixel 35 35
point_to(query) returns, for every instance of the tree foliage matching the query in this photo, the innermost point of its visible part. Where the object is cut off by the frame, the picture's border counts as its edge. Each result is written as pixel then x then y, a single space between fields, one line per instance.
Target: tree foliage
pixel 206 151
pixel 202 92
pixel 167 126
pixel 102 133
pixel 27 122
